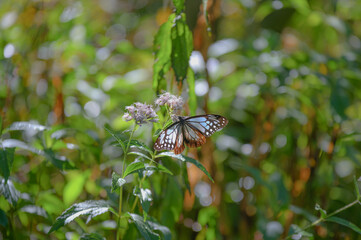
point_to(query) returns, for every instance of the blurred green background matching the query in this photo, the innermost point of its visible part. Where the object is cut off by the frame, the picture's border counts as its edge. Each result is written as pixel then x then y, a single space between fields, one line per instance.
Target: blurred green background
pixel 285 73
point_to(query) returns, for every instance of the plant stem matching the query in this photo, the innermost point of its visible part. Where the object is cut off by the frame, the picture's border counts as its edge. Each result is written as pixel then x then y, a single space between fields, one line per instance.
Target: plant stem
pixel 142 180
pixel 121 188
pixel 328 216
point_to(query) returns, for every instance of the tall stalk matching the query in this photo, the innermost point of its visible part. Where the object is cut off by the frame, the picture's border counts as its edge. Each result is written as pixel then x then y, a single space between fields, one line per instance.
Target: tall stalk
pixel 121 188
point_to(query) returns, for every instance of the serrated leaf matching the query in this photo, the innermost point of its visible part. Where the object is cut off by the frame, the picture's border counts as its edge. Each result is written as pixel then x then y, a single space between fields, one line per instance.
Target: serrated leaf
pixel 3 218
pixel 9 191
pixel 186 159
pixel 182 46
pixel 143 227
pixel 28 126
pixel 115 135
pixel 61 162
pixel 92 236
pixel 131 168
pixel 90 208
pixel 345 223
pixel 6 161
pixel 117 181
pixel 163 51
pixel 141 155
pixel 192 93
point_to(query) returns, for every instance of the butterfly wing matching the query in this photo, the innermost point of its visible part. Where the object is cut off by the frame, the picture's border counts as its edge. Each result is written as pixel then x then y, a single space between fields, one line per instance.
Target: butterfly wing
pixel 192 136
pixel 171 139
pixel 207 124
pixel 191 130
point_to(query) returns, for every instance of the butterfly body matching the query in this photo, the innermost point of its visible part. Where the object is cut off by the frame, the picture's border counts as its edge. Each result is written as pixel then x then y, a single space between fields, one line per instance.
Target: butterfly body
pixel 191 131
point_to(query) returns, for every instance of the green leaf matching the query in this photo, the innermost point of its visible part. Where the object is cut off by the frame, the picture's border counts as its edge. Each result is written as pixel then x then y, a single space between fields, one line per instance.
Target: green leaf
pixel 357 190
pixel 157 132
pixel 33 209
pixel 340 100
pixel 192 93
pixel 278 19
pixel 185 176
pixel 310 217
pixel 92 236
pixel 145 197
pixel 172 203
pixel 163 51
pixel 3 218
pixel 179 5
pixel 90 208
pixel 74 187
pixel 131 168
pixel 322 211
pixel 345 223
pixel 143 227
pixel 186 159
pixel 301 6
pixel 162 168
pixel 297 233
pixel 140 146
pixel 16 126
pixel 163 229
pixel 141 155
pixel 117 181
pixel 182 46
pixel 14 143
pixel 6 161
pixel 61 162
pixel 116 136
pixel 9 191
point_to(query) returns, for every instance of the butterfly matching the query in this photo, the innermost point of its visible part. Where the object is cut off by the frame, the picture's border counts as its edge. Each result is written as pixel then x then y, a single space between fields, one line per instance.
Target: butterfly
pixel 191 131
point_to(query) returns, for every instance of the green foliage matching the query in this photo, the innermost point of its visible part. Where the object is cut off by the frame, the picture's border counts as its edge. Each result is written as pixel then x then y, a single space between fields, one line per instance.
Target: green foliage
pixel 286 74
pixel 6 161
pixel 90 208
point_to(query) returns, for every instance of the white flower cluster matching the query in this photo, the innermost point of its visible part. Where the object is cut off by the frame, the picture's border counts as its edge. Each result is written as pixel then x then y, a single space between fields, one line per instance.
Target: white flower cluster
pixel 175 103
pixel 141 113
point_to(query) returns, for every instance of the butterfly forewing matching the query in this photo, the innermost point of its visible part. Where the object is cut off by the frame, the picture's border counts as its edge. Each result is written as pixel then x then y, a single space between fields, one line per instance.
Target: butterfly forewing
pixel 167 138
pixel 207 124
pixel 189 130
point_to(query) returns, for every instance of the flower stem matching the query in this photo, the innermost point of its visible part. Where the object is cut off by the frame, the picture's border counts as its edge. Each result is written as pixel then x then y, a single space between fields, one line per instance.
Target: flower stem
pixel 322 219
pixel 121 188
pixel 142 180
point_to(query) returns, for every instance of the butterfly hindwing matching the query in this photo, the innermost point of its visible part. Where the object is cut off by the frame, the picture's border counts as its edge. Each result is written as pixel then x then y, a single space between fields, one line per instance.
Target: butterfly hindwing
pixel 179 145
pixel 192 136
